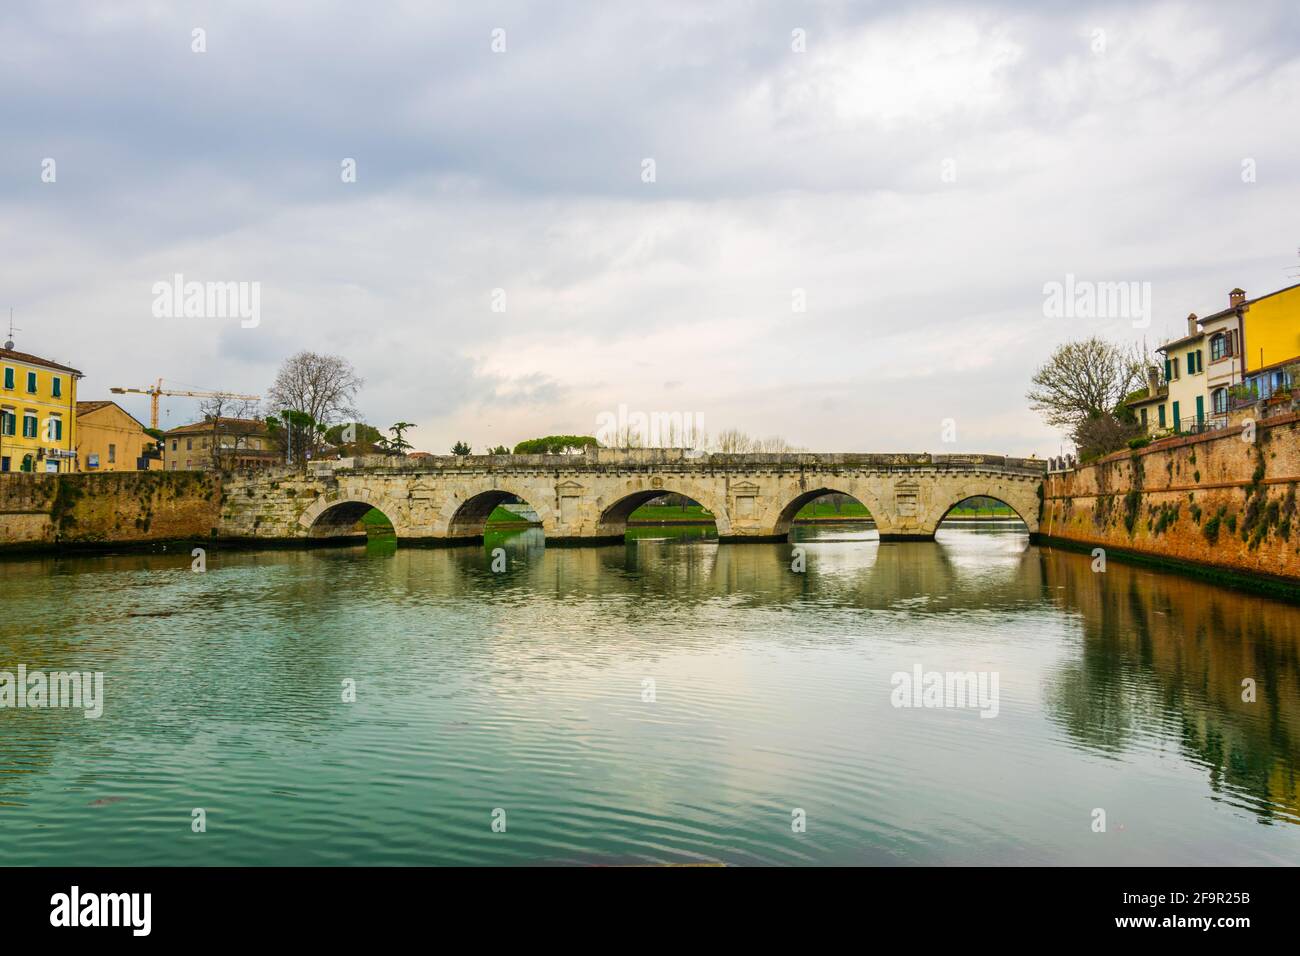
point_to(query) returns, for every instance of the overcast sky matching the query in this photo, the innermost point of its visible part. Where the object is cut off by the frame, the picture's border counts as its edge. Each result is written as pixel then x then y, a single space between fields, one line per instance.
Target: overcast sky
pixel 918 171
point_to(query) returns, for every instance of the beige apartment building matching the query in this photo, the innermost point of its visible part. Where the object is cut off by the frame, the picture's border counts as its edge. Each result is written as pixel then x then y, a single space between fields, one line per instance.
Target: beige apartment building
pixel 231 442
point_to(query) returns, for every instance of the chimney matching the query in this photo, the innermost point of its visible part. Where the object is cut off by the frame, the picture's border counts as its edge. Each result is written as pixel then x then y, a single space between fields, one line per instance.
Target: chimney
pixel 1236 297
pixel 1153 381
pixel 1191 324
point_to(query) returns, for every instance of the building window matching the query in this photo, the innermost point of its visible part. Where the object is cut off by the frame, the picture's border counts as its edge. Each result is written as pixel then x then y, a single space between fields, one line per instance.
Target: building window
pixel 55 429
pixel 1219 401
pixel 1162 416
pixel 29 425
pixel 189 444
pixel 8 422
pixel 31 382
pixel 173 444
pixel 1220 347
pixel 9 378
pixel 56 386
pixel 4 463
pixel 1143 414
pixel 173 466
pixel 112 453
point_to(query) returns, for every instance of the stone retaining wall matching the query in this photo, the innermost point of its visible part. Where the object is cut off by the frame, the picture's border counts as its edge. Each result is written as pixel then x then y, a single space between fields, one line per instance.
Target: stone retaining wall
pixel 39 511
pixel 1218 500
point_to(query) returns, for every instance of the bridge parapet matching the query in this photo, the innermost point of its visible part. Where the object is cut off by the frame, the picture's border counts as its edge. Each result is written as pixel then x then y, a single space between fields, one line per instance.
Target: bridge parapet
pixel 679 459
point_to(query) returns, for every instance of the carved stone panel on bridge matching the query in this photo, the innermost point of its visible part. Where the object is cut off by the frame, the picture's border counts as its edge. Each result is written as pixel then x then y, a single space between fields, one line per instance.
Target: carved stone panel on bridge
pixel 744 498
pixel 422 491
pixel 569 495
pixel 907 499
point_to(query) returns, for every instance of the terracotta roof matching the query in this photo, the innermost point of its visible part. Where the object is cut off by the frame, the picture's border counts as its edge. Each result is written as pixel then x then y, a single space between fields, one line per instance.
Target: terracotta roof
pixel 1233 308
pixel 1159 396
pixel 1177 342
pixel 86 408
pixel 1230 310
pixel 11 356
pixel 247 426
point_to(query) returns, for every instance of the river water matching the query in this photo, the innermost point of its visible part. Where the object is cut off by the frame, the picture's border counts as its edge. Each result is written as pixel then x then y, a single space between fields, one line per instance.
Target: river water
pixel 668 700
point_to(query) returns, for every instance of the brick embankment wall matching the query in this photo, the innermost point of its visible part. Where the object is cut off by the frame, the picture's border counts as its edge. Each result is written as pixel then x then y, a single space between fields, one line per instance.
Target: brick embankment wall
pixel 1216 500
pixel 51 511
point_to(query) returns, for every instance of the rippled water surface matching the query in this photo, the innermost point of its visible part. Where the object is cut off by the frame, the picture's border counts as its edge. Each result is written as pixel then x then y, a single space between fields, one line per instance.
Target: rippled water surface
pixel 526 691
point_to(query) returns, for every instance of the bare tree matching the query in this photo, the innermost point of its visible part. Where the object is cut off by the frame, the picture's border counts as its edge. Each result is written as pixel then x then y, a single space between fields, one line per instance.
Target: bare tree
pixel 773 445
pixel 231 424
pixel 733 441
pixel 1085 381
pixel 323 387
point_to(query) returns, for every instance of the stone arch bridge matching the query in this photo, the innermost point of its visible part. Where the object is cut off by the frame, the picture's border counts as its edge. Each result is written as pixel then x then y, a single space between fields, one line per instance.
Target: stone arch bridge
pixel 587 498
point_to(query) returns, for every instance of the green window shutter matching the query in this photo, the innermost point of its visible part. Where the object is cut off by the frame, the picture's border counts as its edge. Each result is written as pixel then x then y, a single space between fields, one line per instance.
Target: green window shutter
pixel 31 381
pixel 56 386
pixel 1200 410
pixel 1162 416
pixel 1177 421
pixel 58 427
pixel 9 378
pixel 1200 360
pixel 1169 371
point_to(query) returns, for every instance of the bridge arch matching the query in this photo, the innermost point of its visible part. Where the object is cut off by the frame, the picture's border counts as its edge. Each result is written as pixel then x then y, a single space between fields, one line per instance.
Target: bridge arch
pixel 786 518
pixel 1021 496
pixel 464 515
pixel 335 515
pixel 615 511
pixel 470 517
pixel 782 516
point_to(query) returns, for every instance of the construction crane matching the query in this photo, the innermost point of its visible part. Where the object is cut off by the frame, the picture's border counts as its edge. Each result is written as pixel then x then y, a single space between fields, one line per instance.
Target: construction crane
pixel 154 391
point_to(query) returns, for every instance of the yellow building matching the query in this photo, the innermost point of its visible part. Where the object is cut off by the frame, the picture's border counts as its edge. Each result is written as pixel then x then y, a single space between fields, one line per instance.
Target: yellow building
pixel 109 439
pixel 1272 327
pixel 38 421
pixel 1271 337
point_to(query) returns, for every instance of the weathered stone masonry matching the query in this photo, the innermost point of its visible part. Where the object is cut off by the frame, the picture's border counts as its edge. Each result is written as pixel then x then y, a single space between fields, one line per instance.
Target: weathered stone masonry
pixel 579 498
pixel 125 507
pixel 589 497
pixel 1213 499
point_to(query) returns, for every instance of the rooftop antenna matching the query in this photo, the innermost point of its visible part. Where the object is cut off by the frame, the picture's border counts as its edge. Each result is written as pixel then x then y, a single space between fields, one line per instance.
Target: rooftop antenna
pixel 9 342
